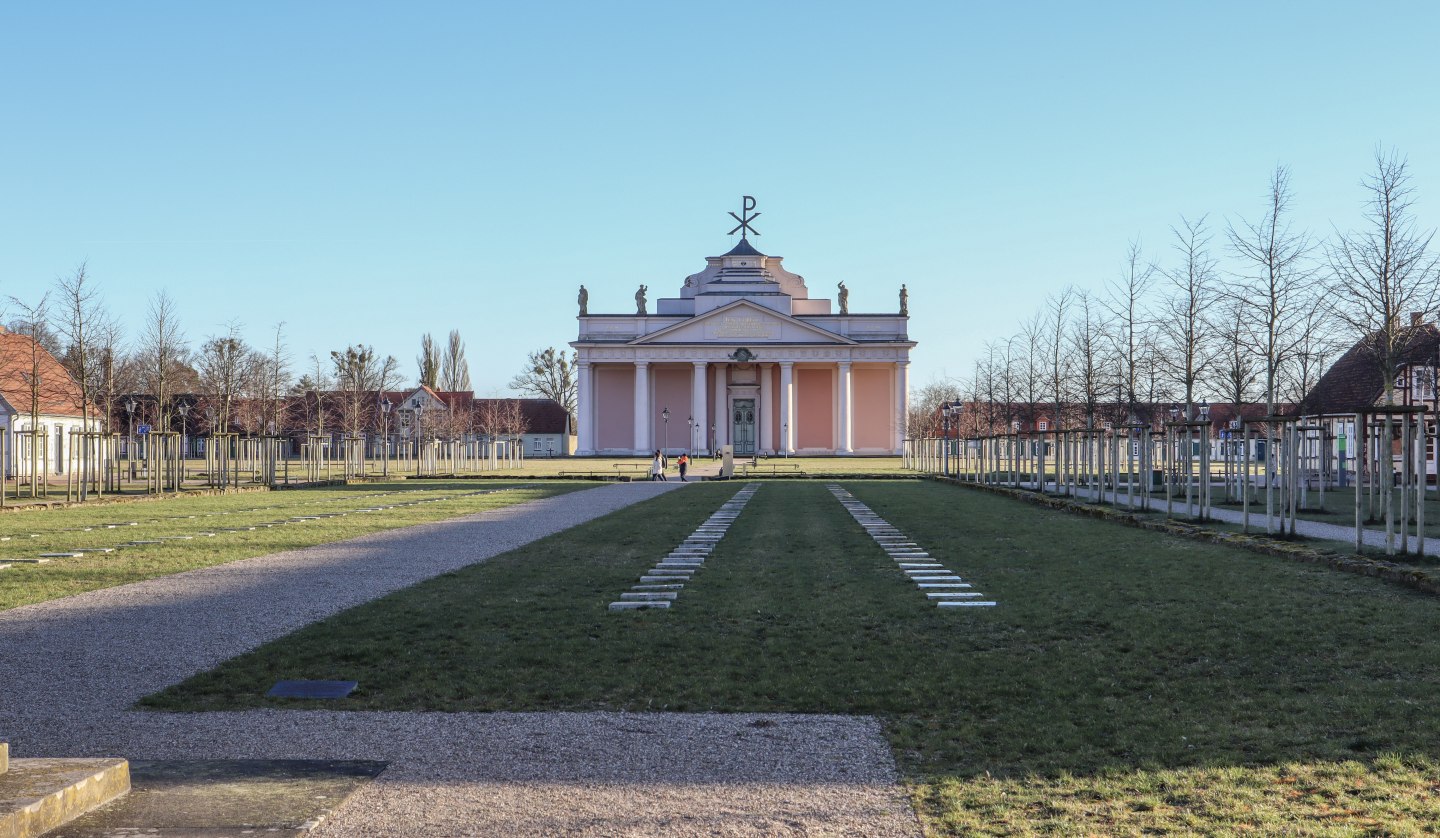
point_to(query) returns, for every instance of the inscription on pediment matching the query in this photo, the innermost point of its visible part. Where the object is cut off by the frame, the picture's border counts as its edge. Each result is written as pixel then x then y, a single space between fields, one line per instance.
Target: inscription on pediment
pixel 742 326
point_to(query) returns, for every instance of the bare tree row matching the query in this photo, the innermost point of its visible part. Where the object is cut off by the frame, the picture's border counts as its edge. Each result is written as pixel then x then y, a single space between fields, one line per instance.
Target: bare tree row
pixel 1250 312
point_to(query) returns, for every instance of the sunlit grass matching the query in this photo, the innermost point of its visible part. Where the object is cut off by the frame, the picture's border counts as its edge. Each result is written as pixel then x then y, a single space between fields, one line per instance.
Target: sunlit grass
pixel 1127 681
pixel 31 533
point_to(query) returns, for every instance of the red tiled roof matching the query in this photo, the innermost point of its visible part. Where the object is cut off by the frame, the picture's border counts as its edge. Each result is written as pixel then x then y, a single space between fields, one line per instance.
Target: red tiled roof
pixel 1354 383
pixel 59 395
pixel 542 416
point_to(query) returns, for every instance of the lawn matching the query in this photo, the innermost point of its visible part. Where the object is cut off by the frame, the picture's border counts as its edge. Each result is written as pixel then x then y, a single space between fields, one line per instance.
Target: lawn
pixel 26 535
pixel 1127 682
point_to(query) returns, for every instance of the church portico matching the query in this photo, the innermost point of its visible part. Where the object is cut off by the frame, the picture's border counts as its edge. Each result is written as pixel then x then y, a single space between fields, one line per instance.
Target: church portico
pixel 743 357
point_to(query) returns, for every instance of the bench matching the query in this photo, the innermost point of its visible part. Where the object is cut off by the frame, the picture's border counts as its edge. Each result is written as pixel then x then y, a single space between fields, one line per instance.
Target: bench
pixel 619 467
pixel 773 468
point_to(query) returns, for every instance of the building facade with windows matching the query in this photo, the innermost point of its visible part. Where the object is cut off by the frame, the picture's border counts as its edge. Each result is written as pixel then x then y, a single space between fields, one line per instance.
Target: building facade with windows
pixel 743 356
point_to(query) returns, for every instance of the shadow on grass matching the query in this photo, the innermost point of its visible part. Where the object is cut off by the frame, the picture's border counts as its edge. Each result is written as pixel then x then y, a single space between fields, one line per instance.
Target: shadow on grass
pixel 1111 650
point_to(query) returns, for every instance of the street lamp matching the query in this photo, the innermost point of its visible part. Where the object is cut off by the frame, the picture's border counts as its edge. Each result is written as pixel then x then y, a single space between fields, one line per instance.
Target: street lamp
pixel 785 438
pixel 130 443
pixel 419 435
pixel 184 408
pixel 665 414
pixel 947 411
pixel 690 442
pixel 385 406
pixel 714 449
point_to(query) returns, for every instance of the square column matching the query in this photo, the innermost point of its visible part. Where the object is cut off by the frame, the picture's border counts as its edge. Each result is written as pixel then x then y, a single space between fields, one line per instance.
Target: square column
pixel 787 407
pixel 642 408
pixel 846 411
pixel 902 404
pixel 696 445
pixel 721 408
pixel 766 443
pixel 585 407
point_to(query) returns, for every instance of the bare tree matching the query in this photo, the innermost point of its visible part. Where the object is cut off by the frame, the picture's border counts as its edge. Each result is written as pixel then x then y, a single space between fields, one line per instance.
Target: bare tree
pixel 1184 312
pixel 1275 283
pixel 223 363
pixel 925 420
pixel 1235 369
pixel 1130 323
pixel 549 375
pixel 163 355
pixel 454 369
pixel 274 382
pixel 80 319
pixel 360 376
pixel 1383 273
pixel 428 361
pixel 31 322
pixel 1087 336
pixel 315 386
pixel 1057 319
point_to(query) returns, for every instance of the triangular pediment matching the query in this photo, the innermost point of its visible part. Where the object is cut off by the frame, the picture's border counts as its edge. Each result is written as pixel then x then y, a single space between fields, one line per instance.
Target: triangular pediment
pixel 742 322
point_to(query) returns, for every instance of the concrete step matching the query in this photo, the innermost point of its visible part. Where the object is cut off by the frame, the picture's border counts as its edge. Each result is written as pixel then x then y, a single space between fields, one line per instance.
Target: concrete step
pixel 38 795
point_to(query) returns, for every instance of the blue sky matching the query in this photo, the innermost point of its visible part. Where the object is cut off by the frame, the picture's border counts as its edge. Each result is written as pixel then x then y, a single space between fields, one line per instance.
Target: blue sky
pixel 369 172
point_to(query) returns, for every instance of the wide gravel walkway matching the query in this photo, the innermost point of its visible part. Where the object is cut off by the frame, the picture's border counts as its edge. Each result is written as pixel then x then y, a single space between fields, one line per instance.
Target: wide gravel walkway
pixel 70 669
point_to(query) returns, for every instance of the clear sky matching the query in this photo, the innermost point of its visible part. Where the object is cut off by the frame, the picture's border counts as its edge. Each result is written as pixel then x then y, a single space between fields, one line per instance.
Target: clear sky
pixel 368 172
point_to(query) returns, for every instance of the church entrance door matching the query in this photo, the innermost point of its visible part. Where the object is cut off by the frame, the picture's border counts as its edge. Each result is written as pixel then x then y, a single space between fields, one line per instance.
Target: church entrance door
pixel 742 427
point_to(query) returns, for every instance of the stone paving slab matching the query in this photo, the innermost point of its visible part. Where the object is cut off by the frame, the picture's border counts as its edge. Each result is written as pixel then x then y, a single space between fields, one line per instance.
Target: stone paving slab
pixel 590 774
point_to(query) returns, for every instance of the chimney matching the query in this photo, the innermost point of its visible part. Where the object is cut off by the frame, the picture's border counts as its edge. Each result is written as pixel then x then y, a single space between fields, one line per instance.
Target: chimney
pixel 1417 319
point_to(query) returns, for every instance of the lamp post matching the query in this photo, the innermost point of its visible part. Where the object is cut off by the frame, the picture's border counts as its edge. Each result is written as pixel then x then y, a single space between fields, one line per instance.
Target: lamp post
pixel 947 410
pixel 714 449
pixel 785 438
pixel 184 408
pixel 419 436
pixel 665 414
pixel 130 442
pixel 690 441
pixel 385 406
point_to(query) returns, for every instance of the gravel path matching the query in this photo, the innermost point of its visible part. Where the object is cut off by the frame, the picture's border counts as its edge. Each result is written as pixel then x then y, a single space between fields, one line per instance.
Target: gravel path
pixel 71 668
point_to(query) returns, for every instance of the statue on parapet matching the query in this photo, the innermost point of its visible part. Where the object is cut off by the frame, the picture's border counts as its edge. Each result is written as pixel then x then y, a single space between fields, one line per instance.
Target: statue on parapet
pixel 584 301
pixel 904 301
pixel 640 300
pixel 844 299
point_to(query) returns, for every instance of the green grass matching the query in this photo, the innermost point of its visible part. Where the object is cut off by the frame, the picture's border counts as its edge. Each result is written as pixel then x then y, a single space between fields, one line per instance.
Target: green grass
pixel 33 532
pixel 1128 681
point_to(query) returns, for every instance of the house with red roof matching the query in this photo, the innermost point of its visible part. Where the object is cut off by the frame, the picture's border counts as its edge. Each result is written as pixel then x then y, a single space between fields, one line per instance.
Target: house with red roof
pixel 40 405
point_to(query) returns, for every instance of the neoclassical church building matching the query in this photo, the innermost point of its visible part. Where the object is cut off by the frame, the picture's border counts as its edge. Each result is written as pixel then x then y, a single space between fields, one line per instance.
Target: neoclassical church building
pixel 744 357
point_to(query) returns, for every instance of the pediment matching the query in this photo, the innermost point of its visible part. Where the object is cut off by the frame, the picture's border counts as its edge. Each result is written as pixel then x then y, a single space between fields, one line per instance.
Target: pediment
pixel 742 322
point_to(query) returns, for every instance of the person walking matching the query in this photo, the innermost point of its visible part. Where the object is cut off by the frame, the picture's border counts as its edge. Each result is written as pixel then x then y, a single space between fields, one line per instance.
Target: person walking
pixel 657 470
pixel 683 463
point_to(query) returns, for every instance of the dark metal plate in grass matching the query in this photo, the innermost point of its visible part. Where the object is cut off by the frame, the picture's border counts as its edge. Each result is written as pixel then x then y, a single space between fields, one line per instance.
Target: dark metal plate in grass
pixel 311 689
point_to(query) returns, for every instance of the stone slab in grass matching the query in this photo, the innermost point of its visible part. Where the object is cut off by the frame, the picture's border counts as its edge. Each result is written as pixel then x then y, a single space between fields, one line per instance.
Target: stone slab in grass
pixel 944 594
pixel 955 584
pixel 648 596
pixel 665 587
pixel 311 689
pixel 65 555
pixel 30 561
pixel 965 604
pixel 637 606
pixel 955 595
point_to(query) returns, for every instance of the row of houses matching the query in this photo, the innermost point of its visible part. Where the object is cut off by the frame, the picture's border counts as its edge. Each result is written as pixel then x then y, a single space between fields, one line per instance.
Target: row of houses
pixel 40 405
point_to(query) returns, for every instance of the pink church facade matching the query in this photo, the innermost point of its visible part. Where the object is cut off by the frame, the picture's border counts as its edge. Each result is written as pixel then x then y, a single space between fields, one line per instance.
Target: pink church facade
pixel 742 357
